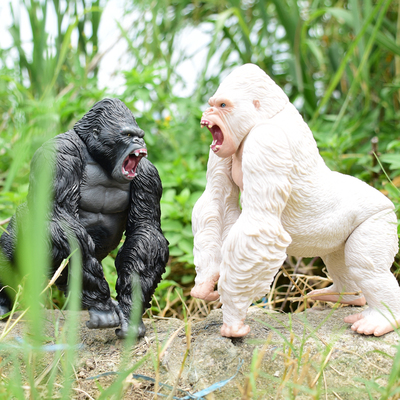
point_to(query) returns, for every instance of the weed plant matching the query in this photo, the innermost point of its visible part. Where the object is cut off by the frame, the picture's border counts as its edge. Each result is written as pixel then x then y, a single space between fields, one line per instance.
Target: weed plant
pixel 339 63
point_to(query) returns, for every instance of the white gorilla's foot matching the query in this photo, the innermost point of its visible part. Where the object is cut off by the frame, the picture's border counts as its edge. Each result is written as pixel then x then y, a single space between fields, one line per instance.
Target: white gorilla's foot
pixel 206 290
pixel 324 295
pixel 372 322
pixel 237 330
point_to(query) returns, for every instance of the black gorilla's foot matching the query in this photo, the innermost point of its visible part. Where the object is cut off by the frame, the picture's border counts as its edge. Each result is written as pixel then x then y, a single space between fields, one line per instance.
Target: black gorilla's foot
pixel 102 319
pixel 112 319
pixel 139 330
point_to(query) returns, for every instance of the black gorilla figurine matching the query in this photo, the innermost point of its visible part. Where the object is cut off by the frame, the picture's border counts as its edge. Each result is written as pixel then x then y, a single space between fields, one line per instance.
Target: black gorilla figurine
pixel 103 186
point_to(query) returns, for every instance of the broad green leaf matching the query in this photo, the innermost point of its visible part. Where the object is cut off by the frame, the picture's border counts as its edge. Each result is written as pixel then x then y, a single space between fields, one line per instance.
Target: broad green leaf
pixel 171 225
pixel 392 159
pixel 175 251
pixel 173 237
pixel 186 246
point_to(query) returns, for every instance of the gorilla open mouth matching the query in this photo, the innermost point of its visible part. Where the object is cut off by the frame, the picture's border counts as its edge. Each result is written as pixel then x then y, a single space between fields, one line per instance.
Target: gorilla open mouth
pixel 218 136
pixel 131 162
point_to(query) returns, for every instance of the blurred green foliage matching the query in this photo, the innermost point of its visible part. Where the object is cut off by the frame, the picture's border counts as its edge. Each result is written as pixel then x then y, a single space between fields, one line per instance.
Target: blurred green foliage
pixel 339 62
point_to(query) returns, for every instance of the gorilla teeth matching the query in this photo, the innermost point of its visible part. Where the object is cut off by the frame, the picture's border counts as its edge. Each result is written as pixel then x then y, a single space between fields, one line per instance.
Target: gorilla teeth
pixel 131 162
pixel 138 152
pixel 204 123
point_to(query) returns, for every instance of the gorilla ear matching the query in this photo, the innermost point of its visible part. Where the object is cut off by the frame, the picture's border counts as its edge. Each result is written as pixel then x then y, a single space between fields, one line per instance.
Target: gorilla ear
pixel 256 104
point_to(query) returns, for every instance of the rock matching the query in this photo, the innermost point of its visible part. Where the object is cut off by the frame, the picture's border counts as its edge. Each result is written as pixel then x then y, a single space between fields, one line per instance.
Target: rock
pixel 314 350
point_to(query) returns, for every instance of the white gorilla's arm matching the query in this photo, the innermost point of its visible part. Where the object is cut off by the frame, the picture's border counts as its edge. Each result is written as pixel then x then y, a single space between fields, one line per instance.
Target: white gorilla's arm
pixel 213 215
pixel 256 245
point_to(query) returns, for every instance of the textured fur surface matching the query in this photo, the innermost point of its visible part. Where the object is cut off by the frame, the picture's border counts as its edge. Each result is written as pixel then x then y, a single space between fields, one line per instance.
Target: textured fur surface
pixel 292 203
pixel 96 203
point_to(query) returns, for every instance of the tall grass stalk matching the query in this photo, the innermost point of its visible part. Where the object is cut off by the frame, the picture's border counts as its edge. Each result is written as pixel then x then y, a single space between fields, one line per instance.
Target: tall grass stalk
pixel 115 390
pixel 361 68
pixel 71 328
pixel 32 260
pixel 349 53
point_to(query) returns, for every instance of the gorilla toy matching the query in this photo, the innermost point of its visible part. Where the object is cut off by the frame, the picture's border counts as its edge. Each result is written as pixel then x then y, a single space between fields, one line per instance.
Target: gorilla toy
pixel 292 203
pixel 103 186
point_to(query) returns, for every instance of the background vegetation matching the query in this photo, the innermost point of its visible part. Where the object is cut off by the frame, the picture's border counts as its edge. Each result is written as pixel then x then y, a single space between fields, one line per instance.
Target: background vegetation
pixel 338 61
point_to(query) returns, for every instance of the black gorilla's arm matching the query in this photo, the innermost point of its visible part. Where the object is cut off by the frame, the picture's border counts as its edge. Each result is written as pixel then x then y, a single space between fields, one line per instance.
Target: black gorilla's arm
pixel 66 154
pixel 145 252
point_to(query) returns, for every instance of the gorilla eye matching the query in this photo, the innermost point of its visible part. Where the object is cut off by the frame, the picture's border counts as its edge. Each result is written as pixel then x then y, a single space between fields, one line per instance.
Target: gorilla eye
pixel 223 105
pixel 129 134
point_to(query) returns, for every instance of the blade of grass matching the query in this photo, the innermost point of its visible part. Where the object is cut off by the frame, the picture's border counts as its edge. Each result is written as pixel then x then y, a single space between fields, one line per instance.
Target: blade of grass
pixel 72 323
pixel 350 52
pixel 219 25
pixel 360 72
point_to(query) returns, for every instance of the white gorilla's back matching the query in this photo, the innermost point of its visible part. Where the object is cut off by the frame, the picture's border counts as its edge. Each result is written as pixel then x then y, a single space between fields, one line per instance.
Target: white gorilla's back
pixel 324 206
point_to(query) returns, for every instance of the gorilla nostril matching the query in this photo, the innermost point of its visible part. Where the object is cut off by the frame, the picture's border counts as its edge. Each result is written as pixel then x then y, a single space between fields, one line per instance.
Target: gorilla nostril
pixel 138 140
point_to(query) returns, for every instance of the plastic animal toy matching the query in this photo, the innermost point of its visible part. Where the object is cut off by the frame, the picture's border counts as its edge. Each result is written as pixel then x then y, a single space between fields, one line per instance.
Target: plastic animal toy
pixel 292 203
pixel 103 186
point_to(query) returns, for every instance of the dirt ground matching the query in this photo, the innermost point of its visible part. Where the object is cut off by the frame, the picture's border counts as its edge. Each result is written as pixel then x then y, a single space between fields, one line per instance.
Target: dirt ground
pixel 290 348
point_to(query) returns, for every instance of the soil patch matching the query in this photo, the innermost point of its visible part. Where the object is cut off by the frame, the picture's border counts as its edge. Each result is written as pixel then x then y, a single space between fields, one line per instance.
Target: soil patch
pixel 313 351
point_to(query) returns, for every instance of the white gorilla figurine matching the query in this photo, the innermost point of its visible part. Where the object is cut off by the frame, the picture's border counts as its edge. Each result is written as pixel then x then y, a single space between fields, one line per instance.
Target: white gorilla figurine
pixel 292 203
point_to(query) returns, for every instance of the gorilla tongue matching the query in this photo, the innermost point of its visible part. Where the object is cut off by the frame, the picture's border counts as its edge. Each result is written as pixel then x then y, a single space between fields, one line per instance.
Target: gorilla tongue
pixel 218 137
pixel 131 162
